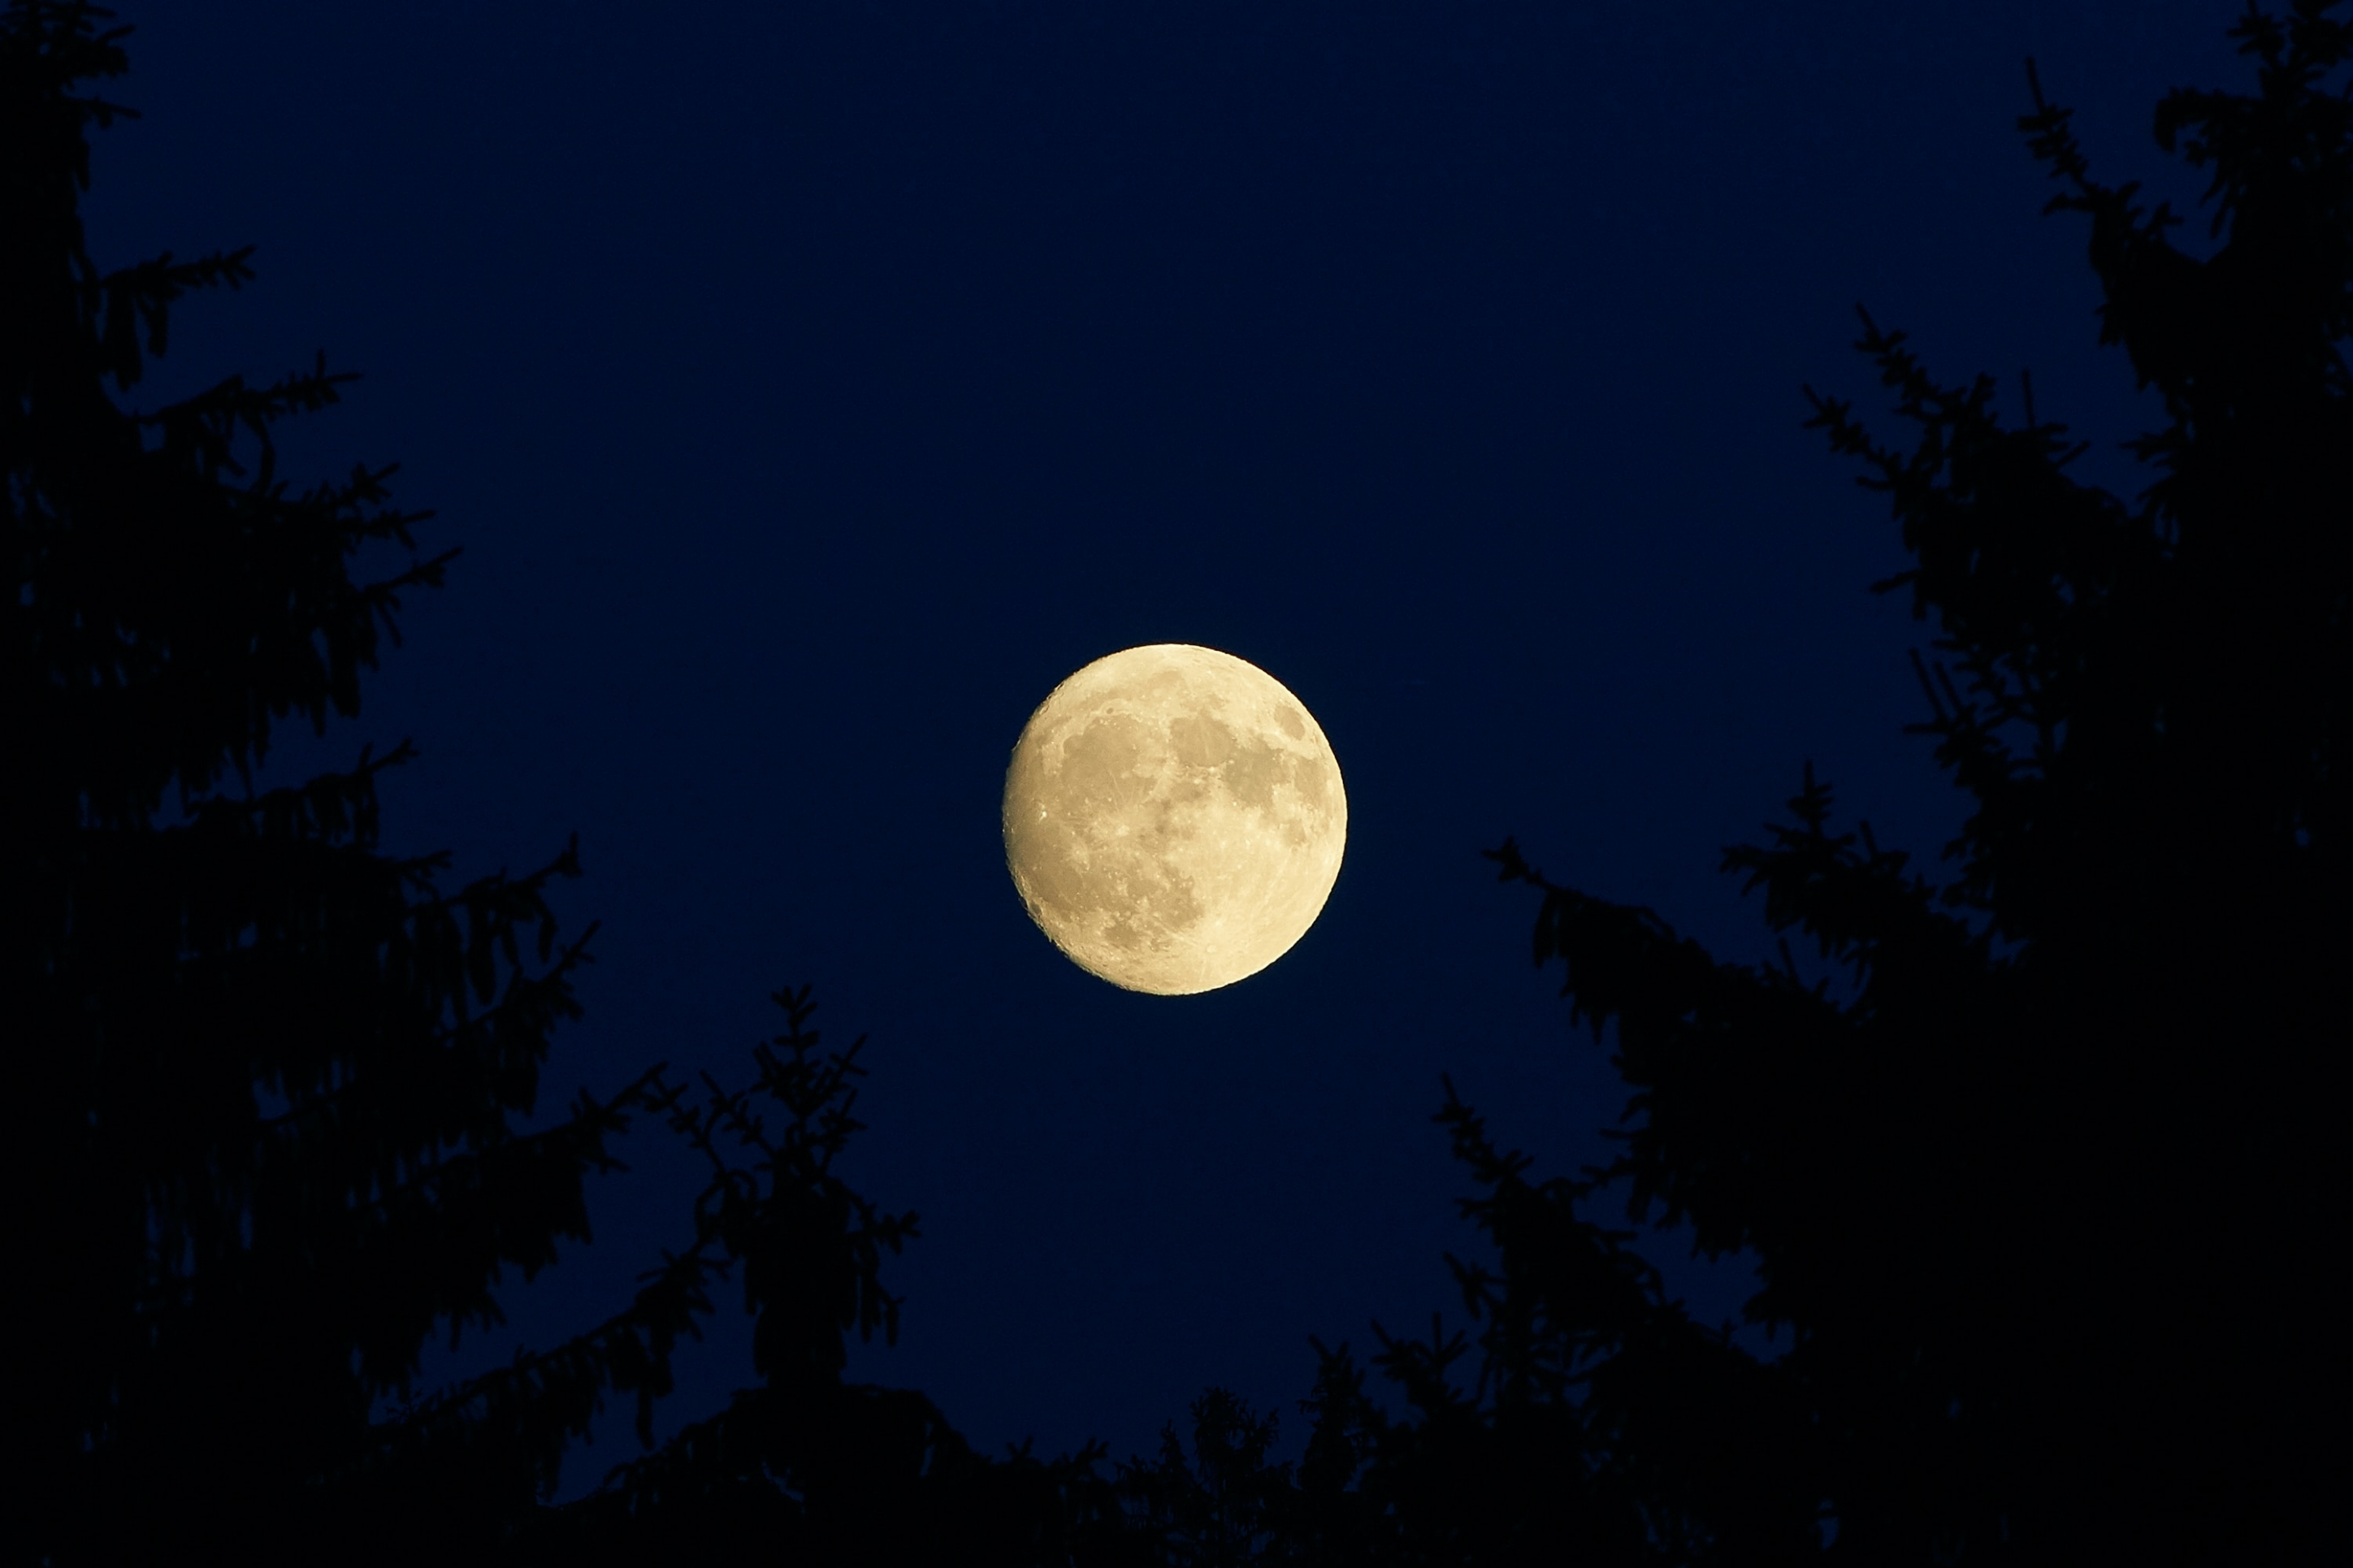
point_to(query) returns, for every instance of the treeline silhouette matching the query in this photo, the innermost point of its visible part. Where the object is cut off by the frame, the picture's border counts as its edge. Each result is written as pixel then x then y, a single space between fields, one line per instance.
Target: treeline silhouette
pixel 2044 1210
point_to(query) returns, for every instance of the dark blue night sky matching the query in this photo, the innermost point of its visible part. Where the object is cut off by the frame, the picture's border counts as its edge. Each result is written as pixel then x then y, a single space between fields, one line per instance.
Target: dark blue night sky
pixel 812 387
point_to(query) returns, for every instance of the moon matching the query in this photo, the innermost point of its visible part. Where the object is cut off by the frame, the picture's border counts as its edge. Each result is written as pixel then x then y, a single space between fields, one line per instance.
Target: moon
pixel 1173 818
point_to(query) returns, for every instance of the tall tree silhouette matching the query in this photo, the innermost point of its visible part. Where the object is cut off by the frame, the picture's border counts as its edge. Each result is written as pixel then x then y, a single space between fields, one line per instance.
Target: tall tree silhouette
pixel 802 1467
pixel 2045 1204
pixel 271 1075
pixel 2047 1224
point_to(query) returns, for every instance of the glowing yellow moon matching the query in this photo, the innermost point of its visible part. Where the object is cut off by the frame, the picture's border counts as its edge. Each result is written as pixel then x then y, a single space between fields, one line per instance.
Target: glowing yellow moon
pixel 1173 818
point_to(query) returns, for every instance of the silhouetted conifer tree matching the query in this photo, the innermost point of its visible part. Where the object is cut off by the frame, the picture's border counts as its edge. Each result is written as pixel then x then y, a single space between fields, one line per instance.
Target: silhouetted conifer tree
pixel 2048 1207
pixel 267 1076
pixel 2048 1225
pixel 267 1073
pixel 1220 1509
pixel 803 1467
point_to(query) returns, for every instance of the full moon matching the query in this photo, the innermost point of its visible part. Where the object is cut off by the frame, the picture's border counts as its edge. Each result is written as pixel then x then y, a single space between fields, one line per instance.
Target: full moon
pixel 1173 818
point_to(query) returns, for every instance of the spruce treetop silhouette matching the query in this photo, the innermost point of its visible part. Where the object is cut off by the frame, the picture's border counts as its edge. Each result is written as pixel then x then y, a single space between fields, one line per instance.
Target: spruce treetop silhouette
pixel 273 1071
pixel 2042 1206
pixel 2041 1223
pixel 272 1075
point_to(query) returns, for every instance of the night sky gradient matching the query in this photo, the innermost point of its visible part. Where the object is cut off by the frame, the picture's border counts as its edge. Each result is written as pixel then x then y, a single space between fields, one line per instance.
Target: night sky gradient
pixel 812 387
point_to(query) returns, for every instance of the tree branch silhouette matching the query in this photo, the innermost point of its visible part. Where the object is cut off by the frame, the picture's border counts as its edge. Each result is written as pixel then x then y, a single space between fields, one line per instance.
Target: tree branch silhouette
pixel 2038 1203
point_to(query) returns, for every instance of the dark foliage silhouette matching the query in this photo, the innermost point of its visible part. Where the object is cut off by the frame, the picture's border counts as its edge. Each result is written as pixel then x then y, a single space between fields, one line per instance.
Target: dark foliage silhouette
pixel 1601 1416
pixel 271 1075
pixel 2046 1224
pixel 272 1071
pixel 802 1467
pixel 1221 1507
pixel 2045 1207
pixel 2042 1207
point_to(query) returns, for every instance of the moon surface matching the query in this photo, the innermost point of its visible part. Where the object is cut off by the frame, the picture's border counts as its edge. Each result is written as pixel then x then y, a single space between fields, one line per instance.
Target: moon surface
pixel 1173 818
